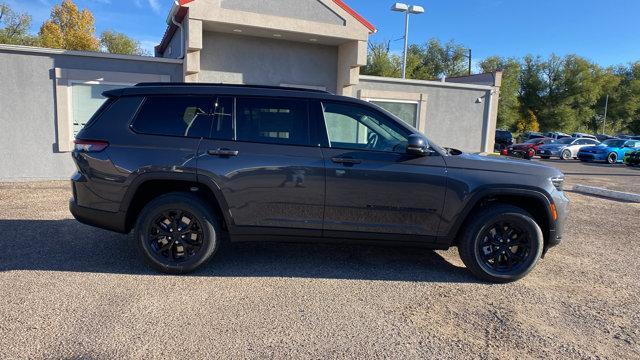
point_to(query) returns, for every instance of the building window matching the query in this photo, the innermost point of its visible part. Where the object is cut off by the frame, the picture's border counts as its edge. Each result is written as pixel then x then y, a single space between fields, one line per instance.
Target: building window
pixel 407 111
pixel 78 96
pixel 86 99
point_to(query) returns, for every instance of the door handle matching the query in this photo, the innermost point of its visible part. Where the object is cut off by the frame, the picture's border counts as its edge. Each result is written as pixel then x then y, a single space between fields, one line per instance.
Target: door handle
pixel 344 160
pixel 223 152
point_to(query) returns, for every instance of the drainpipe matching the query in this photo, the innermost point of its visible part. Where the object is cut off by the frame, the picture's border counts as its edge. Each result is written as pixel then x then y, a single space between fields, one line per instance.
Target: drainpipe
pixel 171 18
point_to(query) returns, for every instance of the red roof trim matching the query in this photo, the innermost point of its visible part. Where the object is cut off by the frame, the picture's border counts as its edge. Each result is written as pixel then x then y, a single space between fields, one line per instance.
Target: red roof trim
pixel 183 2
pixel 353 13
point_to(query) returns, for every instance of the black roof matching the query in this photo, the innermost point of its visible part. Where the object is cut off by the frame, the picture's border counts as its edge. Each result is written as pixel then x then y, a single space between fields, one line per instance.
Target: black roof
pixel 227 89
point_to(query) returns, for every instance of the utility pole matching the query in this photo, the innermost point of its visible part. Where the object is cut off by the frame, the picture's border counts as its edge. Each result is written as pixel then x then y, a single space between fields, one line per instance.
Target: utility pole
pixel 469 62
pixel 407 10
pixel 606 107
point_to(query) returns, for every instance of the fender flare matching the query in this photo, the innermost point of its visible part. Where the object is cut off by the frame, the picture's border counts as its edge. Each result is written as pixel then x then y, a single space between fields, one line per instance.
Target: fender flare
pixel 143 178
pixel 495 190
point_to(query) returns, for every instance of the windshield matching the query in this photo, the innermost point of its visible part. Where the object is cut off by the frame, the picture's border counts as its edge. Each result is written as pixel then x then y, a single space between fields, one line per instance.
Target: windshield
pixel 613 143
pixel 533 141
pixel 565 141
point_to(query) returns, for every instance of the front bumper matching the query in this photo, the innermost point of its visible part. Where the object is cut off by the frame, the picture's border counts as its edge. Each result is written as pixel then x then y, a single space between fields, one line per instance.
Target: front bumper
pixel 592 156
pixel 548 152
pixel 556 230
pixel 632 160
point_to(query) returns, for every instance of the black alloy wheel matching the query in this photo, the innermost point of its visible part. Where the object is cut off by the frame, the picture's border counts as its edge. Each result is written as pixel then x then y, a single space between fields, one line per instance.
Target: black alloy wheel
pixel 501 243
pixel 175 235
pixel 504 246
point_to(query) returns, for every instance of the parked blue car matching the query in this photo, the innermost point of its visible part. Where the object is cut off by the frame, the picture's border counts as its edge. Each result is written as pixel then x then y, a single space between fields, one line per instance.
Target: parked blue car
pixel 612 151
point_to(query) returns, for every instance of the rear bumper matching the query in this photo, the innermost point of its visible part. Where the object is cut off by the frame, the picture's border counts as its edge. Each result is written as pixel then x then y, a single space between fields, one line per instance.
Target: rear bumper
pixel 98 218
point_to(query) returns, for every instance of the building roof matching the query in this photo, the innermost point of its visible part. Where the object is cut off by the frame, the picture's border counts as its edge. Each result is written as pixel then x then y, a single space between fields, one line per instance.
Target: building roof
pixel 182 12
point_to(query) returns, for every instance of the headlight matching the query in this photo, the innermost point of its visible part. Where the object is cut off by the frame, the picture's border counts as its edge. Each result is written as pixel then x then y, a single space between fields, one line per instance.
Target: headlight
pixel 558 182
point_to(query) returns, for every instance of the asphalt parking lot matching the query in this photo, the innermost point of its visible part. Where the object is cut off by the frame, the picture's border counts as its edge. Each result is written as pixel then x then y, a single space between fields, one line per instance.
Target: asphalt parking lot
pixel 72 291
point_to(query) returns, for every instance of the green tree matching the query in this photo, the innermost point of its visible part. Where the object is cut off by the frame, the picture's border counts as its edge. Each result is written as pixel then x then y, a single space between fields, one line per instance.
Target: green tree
pixel 380 62
pixel 14 27
pixel 69 28
pixel 509 107
pixel 119 43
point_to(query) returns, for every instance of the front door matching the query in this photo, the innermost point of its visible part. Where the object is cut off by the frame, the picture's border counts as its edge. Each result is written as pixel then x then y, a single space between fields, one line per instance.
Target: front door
pixel 270 177
pixel 374 189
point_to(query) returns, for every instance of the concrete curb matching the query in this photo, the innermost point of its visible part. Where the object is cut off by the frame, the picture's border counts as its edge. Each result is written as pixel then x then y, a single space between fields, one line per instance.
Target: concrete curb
pixel 612 194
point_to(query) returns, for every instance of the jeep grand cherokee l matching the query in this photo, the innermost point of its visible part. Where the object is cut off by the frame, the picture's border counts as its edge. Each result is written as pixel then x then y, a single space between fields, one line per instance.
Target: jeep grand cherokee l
pixel 185 166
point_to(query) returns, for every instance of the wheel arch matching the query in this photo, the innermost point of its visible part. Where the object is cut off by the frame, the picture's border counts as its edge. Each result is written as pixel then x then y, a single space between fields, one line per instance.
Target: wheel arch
pixel 533 200
pixel 148 186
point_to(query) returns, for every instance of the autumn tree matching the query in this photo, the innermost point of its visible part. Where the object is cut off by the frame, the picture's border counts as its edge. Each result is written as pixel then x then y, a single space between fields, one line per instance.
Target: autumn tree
pixel 119 43
pixel 69 28
pixel 14 27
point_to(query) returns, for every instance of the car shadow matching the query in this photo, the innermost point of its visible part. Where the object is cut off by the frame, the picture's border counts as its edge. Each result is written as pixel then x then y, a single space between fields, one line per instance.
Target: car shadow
pixel 67 245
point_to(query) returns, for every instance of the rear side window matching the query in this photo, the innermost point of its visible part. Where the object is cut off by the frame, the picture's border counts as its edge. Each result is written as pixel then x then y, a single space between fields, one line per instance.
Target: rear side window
pixel 187 116
pixel 274 121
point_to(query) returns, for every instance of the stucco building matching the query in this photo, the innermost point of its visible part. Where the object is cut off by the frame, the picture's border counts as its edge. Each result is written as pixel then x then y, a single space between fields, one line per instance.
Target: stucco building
pixel 49 94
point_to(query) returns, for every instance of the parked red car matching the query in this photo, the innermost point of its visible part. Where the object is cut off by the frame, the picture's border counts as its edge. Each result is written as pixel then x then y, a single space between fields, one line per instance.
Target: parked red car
pixel 526 149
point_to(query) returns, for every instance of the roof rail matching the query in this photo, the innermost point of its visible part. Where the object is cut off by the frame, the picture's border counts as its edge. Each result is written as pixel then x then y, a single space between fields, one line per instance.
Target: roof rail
pixel 167 84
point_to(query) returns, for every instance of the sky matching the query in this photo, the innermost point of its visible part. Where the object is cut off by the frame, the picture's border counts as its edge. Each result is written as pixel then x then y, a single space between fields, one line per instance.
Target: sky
pixel 604 31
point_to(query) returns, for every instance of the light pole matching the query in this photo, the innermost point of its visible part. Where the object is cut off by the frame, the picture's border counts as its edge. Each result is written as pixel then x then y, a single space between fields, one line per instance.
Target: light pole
pixel 407 10
pixel 604 121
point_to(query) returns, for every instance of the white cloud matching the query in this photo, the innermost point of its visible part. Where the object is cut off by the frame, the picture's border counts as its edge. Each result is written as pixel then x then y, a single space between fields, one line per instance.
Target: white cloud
pixel 155 5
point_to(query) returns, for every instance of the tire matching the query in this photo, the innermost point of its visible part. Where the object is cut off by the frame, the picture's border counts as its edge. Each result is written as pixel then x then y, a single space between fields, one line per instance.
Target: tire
pixel 565 155
pixel 530 154
pixel 612 158
pixel 476 237
pixel 545 157
pixel 194 248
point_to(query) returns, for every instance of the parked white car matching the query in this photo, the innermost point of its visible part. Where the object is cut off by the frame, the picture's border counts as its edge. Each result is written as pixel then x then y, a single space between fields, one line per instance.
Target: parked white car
pixel 565 148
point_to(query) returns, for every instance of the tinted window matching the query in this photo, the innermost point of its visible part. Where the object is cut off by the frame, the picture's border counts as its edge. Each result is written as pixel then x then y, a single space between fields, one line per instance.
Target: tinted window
pixel 276 121
pixel 355 127
pixel 190 116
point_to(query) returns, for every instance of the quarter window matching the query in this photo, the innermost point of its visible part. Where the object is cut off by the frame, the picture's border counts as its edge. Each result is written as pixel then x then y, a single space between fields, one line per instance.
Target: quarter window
pixel 86 99
pixel 355 127
pixel 275 121
pixel 188 116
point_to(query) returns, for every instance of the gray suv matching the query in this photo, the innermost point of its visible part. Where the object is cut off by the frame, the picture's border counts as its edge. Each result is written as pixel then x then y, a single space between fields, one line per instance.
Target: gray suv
pixel 190 166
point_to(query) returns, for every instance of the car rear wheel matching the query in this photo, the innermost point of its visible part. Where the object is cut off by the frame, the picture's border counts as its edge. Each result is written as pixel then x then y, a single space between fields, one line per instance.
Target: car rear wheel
pixel 612 158
pixel 502 244
pixel 566 154
pixel 177 233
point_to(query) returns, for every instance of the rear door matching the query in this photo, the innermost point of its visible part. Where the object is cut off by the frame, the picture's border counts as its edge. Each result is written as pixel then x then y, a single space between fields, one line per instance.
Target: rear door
pixel 261 158
pixel 374 189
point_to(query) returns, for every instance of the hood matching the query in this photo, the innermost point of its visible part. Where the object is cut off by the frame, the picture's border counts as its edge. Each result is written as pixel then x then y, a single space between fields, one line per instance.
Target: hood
pixel 595 149
pixel 502 164
pixel 522 146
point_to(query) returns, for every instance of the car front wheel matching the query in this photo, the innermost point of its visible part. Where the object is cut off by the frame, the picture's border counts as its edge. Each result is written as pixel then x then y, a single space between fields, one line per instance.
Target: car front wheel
pixel 502 244
pixel 177 233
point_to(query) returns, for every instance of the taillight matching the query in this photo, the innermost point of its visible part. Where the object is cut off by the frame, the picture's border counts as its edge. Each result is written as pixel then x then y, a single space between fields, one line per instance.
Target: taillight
pixel 90 145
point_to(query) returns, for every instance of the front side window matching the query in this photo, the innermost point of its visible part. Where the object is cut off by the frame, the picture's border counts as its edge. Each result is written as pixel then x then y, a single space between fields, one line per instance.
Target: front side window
pixel 86 99
pixel 356 127
pixel 272 121
pixel 187 116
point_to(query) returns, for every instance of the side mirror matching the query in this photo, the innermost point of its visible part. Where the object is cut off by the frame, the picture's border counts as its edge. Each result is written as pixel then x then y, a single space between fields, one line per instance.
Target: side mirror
pixel 417 145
